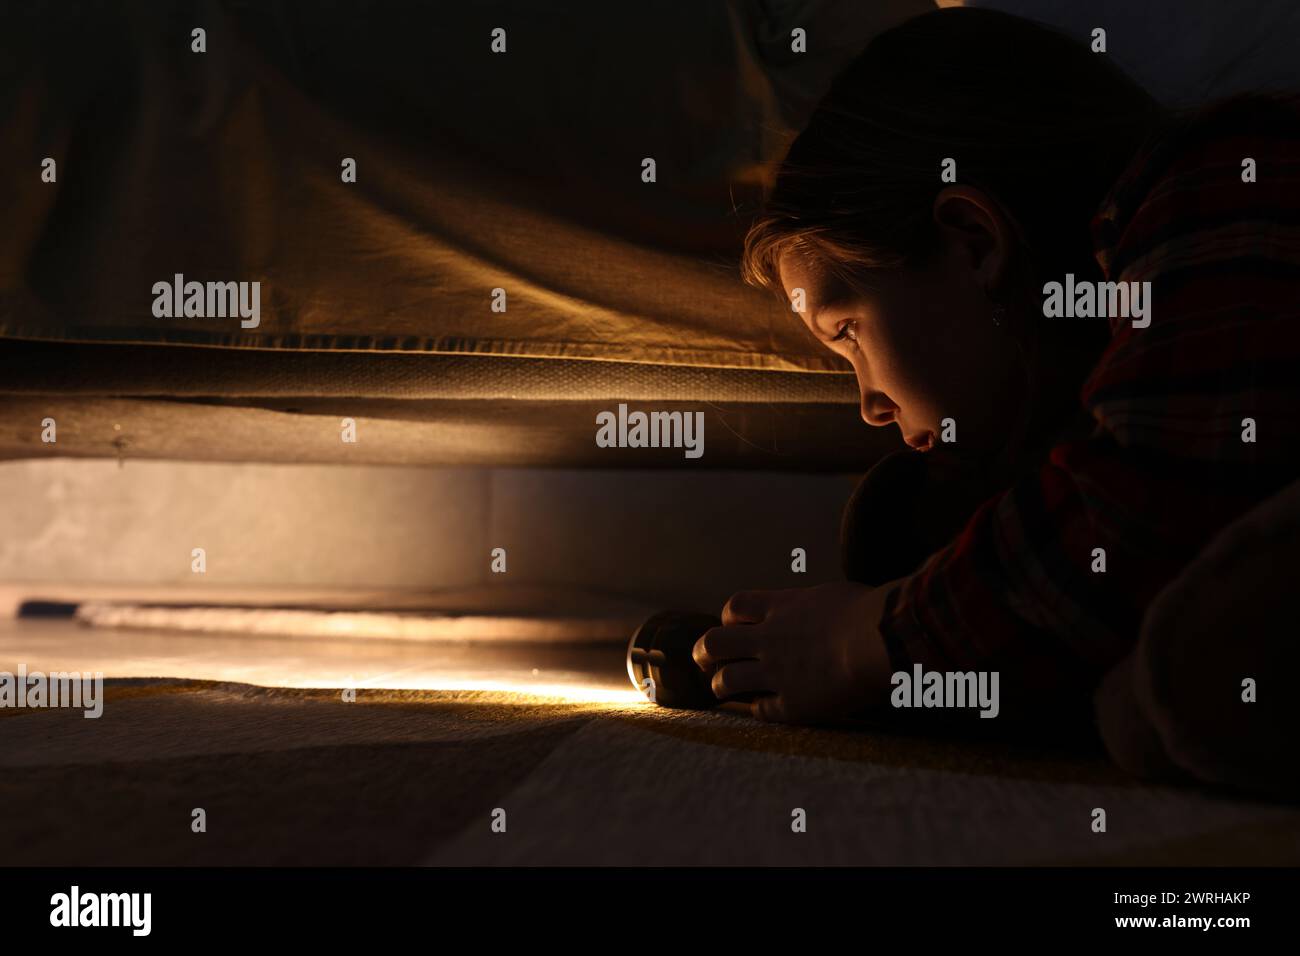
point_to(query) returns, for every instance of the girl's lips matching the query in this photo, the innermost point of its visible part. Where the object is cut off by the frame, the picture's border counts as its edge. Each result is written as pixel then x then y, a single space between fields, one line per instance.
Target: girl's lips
pixel 921 442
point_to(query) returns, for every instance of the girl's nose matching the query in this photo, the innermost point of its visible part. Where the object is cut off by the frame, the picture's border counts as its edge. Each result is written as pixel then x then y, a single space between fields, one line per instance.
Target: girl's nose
pixel 877 409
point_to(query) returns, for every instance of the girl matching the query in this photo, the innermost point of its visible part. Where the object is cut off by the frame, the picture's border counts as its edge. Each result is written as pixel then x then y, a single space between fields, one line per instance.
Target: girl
pixel 963 163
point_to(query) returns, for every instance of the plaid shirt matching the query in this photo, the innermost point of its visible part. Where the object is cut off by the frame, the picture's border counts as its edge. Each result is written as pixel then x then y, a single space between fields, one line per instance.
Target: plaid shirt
pixel 1166 466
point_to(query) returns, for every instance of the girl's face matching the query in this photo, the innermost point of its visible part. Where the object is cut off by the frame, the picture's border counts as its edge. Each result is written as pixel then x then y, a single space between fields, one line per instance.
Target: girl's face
pixel 924 346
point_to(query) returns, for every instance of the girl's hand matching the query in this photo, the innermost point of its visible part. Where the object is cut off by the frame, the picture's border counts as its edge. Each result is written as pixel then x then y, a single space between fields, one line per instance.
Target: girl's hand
pixel 813 654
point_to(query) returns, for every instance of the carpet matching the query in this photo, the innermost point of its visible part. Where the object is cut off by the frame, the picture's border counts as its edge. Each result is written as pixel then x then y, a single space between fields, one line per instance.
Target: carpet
pixel 304 777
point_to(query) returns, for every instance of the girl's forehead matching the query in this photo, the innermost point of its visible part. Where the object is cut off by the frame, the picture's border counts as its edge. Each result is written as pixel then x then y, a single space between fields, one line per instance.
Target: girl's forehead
pixel 802 268
pixel 822 287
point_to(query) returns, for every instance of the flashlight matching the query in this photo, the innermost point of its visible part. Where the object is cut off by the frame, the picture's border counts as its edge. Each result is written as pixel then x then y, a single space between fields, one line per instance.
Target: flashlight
pixel 660 664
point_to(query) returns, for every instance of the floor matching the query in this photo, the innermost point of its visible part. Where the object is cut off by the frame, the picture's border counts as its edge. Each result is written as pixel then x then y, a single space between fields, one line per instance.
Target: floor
pixel 467 753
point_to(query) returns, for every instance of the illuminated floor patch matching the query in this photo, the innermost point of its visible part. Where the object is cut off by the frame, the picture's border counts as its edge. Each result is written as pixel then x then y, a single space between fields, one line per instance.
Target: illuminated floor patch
pixel 587 672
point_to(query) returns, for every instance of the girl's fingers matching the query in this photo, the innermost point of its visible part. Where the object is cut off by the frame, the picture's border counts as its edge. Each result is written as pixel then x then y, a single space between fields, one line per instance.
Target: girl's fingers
pixel 740 677
pixel 720 644
pixel 745 607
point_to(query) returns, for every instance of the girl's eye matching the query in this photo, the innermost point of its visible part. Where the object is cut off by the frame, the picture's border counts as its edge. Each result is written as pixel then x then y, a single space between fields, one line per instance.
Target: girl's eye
pixel 848 330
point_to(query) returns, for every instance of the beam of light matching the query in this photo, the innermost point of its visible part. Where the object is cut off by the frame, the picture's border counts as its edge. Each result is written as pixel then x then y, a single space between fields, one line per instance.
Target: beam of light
pixel 508 682
pixel 307 622
pixel 567 693
pixel 532 671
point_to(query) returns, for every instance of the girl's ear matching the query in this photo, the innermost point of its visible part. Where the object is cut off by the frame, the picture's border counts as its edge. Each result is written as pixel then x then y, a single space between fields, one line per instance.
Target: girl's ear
pixel 974 226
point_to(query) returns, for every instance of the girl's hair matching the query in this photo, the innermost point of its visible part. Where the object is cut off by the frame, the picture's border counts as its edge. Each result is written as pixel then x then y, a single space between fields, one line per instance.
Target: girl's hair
pixel 1030 116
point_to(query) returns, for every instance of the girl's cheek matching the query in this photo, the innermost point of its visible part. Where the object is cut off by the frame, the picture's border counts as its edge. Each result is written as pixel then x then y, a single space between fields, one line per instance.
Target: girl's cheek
pixel 892 370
